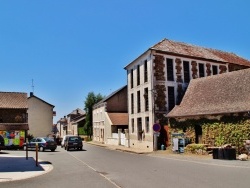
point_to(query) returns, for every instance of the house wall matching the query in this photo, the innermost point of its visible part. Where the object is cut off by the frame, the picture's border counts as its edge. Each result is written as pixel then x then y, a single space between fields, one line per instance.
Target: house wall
pixel 40 117
pixel 158 85
pixel 118 102
pixel 99 124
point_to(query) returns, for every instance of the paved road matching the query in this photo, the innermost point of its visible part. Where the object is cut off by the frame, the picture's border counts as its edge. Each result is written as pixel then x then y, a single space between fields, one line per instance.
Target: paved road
pixel 100 167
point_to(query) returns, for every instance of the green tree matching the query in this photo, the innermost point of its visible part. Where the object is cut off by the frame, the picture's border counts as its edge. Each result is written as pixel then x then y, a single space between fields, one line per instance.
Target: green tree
pixel 91 99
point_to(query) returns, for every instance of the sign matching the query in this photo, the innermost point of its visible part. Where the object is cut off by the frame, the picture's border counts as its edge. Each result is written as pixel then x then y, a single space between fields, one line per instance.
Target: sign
pixel 157 127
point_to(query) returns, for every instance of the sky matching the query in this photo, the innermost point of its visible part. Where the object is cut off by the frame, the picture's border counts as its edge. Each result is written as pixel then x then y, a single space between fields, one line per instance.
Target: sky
pixel 72 47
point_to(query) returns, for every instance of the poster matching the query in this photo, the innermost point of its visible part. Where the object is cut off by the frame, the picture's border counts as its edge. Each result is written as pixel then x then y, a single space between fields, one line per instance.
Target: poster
pixel 13 138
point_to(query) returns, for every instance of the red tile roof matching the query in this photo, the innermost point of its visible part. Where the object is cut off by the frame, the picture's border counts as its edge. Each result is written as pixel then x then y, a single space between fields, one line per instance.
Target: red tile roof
pixel 189 50
pixel 118 118
pixel 219 94
pixel 13 100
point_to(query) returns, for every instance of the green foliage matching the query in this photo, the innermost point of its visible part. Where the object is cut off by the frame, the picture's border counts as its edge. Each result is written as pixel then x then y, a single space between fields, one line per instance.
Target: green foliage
pixel 196 148
pixel 91 99
pixel 229 133
pixel 81 131
pixel 228 130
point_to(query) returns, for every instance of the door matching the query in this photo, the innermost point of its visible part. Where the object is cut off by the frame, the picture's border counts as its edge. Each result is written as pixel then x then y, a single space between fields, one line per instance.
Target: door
pixel 122 139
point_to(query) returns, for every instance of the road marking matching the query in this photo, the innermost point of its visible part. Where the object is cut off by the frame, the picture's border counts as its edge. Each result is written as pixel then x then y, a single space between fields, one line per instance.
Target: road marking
pixel 92 168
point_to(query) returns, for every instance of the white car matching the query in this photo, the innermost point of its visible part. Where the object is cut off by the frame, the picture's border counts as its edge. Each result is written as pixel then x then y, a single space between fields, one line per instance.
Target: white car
pixel 63 140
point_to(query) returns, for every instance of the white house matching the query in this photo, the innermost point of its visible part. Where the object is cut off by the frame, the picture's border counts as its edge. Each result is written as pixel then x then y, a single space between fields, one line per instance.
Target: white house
pixel 40 116
pixel 110 118
pixel 158 79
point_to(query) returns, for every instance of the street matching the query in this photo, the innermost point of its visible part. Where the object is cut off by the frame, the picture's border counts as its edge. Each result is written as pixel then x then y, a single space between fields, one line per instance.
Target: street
pixel 96 167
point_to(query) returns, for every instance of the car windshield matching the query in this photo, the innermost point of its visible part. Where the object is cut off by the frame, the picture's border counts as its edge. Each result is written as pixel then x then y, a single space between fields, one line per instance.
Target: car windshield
pixel 74 139
pixel 47 139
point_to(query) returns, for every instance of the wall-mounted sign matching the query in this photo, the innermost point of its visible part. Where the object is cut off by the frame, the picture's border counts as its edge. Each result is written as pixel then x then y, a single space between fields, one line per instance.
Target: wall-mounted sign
pixel 157 127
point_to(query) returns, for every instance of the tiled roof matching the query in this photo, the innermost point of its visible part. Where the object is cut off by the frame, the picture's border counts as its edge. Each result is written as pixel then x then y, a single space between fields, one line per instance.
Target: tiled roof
pixel 220 94
pixel 13 100
pixel 118 118
pixel 77 111
pixel 109 96
pixel 189 50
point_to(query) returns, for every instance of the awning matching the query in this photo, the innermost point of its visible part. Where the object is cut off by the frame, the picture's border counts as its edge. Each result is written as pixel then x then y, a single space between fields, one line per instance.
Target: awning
pixel 14 126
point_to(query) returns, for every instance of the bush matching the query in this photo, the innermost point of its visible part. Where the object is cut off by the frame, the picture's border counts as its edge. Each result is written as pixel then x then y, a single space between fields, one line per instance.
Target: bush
pixel 196 148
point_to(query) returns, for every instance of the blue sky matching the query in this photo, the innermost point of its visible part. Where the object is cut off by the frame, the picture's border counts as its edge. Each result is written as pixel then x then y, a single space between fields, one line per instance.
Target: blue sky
pixel 70 48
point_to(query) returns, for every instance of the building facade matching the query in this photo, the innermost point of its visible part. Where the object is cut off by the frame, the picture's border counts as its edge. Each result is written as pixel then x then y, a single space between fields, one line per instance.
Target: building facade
pixel 40 116
pixel 158 79
pixel 109 115
pixel 13 119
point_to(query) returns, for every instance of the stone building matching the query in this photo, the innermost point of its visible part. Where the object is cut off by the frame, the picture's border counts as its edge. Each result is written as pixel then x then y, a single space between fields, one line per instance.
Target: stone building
pixel 158 79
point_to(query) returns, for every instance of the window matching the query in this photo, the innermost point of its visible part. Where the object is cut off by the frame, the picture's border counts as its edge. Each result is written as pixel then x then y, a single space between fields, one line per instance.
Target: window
pixel 186 71
pixel 171 98
pixel 170 70
pixel 138 75
pixel 133 125
pixel 146 98
pixel 147 124
pixel 138 102
pixel 131 79
pixel 145 71
pixel 132 103
pixel 201 70
pixel 139 128
pixel 214 69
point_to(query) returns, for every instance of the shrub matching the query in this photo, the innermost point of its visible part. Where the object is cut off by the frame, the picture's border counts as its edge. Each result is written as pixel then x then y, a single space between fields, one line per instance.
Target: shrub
pixel 196 148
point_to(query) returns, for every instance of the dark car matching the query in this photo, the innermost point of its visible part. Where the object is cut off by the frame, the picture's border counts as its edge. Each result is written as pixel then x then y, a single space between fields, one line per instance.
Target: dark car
pixel 74 142
pixel 44 143
pixel 2 146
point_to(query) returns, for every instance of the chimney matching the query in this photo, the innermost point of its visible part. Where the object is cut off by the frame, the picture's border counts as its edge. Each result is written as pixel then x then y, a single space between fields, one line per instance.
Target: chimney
pixel 31 94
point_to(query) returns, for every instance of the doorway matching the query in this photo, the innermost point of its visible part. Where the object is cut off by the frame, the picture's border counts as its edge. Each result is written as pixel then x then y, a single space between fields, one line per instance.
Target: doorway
pixel 198 134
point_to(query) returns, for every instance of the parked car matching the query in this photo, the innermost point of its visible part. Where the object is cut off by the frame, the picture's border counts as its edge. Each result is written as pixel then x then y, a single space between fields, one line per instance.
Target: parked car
pixel 44 143
pixel 63 140
pixel 2 146
pixel 74 142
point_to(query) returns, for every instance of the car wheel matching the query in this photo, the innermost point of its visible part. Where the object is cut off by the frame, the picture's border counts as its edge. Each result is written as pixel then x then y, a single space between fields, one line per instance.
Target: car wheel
pixel 53 149
pixel 41 148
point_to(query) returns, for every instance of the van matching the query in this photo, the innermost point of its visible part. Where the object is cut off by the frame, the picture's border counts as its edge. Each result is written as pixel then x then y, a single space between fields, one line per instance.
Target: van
pixel 63 140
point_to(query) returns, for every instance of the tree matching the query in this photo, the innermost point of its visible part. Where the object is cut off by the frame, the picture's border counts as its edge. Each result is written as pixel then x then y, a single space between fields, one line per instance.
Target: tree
pixel 91 99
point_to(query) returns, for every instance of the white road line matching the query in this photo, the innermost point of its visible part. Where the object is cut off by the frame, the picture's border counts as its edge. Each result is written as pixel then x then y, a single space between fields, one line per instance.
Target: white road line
pixel 95 171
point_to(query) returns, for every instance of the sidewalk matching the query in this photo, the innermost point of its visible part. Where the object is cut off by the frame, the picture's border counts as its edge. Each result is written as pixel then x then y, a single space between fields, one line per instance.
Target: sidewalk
pixel 17 167
pixel 169 154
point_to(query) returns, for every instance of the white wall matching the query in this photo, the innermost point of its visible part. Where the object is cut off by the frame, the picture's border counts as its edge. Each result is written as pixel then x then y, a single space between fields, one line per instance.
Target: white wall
pixel 40 117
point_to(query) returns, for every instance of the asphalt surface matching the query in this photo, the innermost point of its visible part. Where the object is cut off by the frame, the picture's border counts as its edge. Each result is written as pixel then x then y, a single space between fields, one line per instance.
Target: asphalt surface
pixel 19 167
pixel 14 168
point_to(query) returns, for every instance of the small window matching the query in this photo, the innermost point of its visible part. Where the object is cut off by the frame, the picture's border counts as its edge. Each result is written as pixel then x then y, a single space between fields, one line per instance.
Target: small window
pixel 146 99
pixel 145 71
pixel 132 103
pixel 131 79
pixel 201 70
pixel 171 98
pixel 215 69
pixel 147 124
pixel 133 125
pixel 138 101
pixel 186 71
pixel 170 70
pixel 138 75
